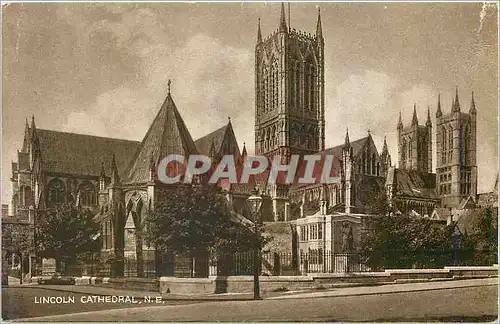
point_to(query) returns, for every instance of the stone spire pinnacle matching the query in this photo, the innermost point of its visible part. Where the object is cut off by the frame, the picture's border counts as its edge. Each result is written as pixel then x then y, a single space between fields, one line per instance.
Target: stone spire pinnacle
pixel 456 103
pixel 384 148
pixel 400 121
pixel 27 137
pixel 439 112
pixel 347 142
pixel 414 120
pixel 428 122
pixel 244 151
pixel 169 83
pixel 34 134
pixel 115 179
pixel 259 33
pixel 103 172
pixel 319 29
pixel 472 109
pixel 283 27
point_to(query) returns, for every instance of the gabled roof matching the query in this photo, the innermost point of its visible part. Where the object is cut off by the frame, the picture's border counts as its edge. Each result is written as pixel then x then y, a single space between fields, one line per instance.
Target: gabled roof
pixel 83 154
pixel 216 137
pixel 336 152
pixel 411 183
pixel 167 134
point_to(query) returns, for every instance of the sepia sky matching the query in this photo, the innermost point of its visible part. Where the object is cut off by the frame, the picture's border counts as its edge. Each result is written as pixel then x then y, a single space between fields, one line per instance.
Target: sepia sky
pixel 102 69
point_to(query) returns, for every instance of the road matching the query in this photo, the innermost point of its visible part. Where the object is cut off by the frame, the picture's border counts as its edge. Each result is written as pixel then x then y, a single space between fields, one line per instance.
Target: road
pixel 451 305
pixel 19 302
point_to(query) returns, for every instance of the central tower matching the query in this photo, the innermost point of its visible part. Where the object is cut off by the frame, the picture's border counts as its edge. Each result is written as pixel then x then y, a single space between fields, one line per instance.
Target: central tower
pixel 289 91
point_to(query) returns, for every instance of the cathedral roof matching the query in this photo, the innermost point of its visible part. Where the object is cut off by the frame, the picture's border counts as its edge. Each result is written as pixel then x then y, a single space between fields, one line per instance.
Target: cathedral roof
pixel 83 154
pixel 167 134
pixel 336 152
pixel 412 183
pixel 216 137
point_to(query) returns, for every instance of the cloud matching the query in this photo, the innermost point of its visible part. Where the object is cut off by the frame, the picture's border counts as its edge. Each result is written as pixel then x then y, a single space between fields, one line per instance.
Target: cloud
pixel 356 103
pixel 78 122
pixel 210 82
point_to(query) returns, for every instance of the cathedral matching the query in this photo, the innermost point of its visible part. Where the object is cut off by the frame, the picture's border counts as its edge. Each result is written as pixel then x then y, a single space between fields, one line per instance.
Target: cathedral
pixel 116 178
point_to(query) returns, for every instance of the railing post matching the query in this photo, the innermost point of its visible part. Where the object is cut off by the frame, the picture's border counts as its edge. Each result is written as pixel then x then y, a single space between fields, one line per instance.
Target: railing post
pixel 306 266
pixel 276 265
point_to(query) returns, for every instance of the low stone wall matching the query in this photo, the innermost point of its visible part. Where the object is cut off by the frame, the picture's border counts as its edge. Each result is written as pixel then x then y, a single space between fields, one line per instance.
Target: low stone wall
pixel 244 284
pixel 473 271
pixel 398 274
pixel 187 286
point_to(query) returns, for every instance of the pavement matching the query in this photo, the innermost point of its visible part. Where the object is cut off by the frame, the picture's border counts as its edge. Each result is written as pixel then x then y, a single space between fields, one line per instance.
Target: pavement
pixel 465 300
pixel 102 290
pixel 332 290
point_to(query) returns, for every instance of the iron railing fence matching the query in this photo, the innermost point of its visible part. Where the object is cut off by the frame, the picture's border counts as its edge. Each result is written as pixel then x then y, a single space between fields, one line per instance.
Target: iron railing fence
pixel 274 263
pixel 277 264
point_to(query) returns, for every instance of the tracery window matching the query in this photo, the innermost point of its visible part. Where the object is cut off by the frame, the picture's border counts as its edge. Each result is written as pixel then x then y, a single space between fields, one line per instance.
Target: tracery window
pixel 312 78
pixel 297 85
pixel 403 151
pixel 409 149
pixel 450 145
pixel 374 171
pixel 88 195
pixel 57 191
pixel 444 148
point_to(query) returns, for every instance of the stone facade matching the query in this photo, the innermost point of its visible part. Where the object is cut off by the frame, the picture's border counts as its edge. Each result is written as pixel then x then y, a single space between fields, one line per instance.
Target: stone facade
pixel 116 178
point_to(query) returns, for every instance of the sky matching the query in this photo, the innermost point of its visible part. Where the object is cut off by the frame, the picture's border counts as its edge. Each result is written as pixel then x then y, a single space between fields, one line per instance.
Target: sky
pixel 102 68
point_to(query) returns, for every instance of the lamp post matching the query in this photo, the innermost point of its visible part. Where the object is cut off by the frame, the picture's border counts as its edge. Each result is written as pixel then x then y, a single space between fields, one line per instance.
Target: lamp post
pixel 254 203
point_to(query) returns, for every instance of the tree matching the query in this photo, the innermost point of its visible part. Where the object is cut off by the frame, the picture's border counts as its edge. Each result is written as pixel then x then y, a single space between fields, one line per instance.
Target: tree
pixel 17 239
pixel 485 235
pixel 66 233
pixel 378 204
pixel 197 218
pixel 400 241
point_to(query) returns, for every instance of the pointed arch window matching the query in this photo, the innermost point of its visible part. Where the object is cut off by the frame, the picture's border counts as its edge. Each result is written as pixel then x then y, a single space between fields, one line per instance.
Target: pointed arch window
pixel 465 150
pixel 444 148
pixel 409 149
pixel 276 86
pixel 306 86
pixel 374 162
pixel 138 211
pixel 57 192
pixel 88 194
pixel 297 85
pixel 28 196
pixel 363 163
pixel 312 87
pixel 403 151
pixel 450 144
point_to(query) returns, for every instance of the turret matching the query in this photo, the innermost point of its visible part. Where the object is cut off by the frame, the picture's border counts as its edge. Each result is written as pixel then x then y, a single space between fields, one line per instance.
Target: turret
pixel 319 29
pixel 102 178
pixel 439 112
pixel 428 123
pixel 414 120
pixel 283 27
pixel 259 34
pixel 115 178
pixel 324 200
pixel 456 103
pixel 472 109
pixel 400 122
pixel 27 138
pixel 348 172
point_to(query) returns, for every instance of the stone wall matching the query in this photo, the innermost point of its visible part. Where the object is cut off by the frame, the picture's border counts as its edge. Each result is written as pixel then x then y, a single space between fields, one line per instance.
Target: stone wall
pixel 244 284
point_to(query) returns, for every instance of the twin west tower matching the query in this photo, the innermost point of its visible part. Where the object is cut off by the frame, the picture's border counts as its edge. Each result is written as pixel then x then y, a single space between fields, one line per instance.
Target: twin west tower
pixel 456 165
